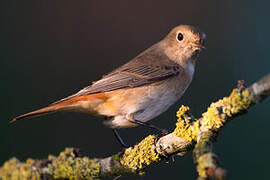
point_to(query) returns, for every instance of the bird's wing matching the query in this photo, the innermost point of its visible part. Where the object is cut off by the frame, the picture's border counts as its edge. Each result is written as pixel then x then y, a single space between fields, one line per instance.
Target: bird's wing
pixel 138 72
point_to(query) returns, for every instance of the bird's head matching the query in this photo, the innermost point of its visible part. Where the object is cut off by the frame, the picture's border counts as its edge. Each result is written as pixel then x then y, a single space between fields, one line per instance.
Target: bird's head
pixel 184 43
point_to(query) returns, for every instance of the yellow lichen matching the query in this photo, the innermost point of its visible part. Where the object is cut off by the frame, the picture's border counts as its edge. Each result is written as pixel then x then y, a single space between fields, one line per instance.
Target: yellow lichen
pixel 14 170
pixel 184 128
pixel 140 155
pixel 216 114
pixel 67 165
pixel 214 118
pixel 204 162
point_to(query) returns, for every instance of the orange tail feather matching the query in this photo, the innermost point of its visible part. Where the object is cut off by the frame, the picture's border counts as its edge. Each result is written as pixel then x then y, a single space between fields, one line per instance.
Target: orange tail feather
pixel 68 104
pixel 43 111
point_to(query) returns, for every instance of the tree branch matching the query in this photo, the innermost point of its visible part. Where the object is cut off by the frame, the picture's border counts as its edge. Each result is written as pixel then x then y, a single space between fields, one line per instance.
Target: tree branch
pixel 190 133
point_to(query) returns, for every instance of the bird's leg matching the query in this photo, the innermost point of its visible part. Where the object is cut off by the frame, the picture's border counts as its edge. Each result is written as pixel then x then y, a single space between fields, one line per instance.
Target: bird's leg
pixel 148 125
pixel 119 139
pixel 116 134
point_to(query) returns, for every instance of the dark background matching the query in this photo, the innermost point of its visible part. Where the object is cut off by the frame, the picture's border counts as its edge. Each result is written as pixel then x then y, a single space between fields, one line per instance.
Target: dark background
pixel 50 49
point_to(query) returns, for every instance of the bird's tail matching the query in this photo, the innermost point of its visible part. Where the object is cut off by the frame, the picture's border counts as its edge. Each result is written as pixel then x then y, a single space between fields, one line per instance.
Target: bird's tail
pixel 72 104
pixel 43 111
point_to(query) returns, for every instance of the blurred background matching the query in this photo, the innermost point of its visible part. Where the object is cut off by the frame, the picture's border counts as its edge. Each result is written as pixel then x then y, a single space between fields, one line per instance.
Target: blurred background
pixel 51 49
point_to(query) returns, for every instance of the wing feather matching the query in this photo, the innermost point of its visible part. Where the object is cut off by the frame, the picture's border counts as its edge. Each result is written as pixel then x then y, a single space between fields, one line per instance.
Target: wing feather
pixel 138 72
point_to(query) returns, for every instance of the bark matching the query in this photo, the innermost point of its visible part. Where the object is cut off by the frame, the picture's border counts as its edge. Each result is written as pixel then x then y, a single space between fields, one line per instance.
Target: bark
pixel 190 134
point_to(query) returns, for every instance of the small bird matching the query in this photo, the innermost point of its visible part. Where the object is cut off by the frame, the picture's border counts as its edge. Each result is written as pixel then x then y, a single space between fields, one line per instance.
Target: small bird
pixel 141 89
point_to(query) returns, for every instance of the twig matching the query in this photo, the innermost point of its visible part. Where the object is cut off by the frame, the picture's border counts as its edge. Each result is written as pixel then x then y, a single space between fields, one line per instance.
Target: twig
pixel 190 133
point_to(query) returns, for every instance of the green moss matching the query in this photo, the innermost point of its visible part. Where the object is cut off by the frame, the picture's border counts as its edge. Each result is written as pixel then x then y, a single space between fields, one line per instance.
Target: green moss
pixel 140 155
pixel 184 128
pixel 116 156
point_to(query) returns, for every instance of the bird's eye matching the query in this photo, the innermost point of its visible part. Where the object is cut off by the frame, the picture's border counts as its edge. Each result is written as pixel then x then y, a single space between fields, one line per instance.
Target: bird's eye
pixel 180 36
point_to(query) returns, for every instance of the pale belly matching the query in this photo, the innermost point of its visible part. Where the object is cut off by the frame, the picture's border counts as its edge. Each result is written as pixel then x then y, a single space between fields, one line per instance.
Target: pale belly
pixel 143 103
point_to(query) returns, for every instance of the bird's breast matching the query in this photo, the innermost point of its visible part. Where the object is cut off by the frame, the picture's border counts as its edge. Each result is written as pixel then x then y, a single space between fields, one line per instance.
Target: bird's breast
pixel 161 96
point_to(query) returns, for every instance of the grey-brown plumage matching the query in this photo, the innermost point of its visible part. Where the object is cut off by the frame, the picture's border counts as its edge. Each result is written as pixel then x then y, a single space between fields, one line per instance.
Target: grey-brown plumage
pixel 138 72
pixel 142 88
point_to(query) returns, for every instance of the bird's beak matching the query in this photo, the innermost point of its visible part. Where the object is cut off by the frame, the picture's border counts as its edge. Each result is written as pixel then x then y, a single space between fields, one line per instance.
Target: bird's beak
pixel 200 46
pixel 197 46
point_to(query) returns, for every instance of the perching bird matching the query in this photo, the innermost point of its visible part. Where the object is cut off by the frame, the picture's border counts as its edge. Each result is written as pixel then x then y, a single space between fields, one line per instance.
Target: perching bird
pixel 141 89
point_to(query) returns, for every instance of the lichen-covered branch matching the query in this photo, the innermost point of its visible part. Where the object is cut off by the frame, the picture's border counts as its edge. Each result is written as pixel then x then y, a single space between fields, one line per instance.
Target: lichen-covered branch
pixel 190 133
pixel 216 116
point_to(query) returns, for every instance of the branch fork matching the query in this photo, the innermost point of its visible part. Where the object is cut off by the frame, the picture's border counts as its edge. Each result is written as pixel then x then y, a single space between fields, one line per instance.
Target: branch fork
pixel 190 134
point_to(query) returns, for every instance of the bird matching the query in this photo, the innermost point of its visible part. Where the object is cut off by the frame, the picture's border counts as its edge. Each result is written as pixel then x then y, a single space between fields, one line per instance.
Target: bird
pixel 141 89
